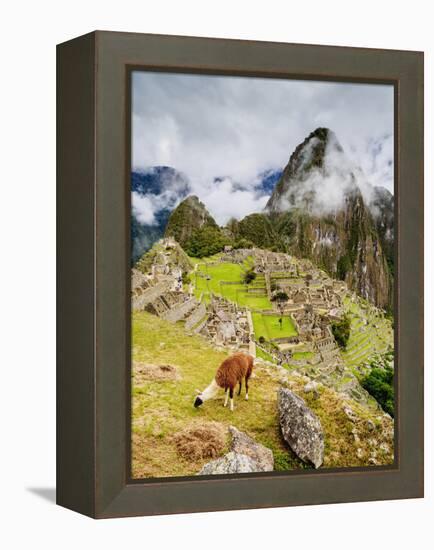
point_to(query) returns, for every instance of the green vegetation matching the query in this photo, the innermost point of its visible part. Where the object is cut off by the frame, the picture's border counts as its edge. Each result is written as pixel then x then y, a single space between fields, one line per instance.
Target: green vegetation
pixel 343 266
pixel 206 241
pixel 225 279
pixel 341 331
pixel 300 355
pixel 269 327
pixel 379 383
pixel 243 243
pixel 249 276
pixel 264 355
pixel 370 335
pixel 189 216
pixel 258 229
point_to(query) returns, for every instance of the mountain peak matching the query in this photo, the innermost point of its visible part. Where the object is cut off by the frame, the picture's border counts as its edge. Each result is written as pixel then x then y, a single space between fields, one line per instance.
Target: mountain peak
pixel 190 214
pixel 317 163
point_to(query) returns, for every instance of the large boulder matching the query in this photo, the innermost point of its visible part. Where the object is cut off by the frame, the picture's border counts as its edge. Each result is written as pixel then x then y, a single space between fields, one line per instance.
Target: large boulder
pixel 231 463
pixel 245 445
pixel 245 455
pixel 301 428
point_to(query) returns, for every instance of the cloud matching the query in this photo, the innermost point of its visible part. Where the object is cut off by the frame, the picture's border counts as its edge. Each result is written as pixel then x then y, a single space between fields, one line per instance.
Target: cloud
pixel 144 208
pixel 323 190
pixel 226 200
pixel 234 128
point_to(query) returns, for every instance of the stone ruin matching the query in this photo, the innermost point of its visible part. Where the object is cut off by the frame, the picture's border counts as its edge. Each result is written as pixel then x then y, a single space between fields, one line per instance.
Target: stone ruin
pixel 227 324
pixel 314 302
pixel 161 293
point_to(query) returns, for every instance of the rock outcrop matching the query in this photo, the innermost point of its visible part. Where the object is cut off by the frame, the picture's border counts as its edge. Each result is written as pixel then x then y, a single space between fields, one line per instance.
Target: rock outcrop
pixel 245 455
pixel 243 444
pixel 231 463
pixel 301 428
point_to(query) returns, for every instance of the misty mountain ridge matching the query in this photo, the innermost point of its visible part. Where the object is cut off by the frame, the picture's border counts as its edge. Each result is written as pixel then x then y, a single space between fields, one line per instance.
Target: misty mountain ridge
pixel 317 210
pixel 319 176
pixel 158 190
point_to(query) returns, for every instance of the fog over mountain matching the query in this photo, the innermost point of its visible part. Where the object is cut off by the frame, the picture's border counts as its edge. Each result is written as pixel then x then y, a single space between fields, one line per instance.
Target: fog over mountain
pixel 224 133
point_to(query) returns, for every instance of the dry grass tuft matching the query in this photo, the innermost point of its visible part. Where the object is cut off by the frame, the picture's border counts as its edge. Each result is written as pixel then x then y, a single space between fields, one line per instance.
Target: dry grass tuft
pixel 144 371
pixel 205 440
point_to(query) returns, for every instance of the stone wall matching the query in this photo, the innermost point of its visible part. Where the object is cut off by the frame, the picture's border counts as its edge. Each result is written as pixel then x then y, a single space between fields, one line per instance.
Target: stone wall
pixel 201 325
pixel 196 316
pixel 179 312
pixel 149 295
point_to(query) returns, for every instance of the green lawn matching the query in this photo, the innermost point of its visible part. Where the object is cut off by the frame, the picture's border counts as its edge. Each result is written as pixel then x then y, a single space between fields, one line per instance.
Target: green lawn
pixel 300 355
pixel 268 326
pixel 230 273
pixel 264 355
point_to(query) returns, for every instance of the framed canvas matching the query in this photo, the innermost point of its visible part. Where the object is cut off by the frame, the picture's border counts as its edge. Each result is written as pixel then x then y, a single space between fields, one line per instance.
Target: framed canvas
pixel 240 274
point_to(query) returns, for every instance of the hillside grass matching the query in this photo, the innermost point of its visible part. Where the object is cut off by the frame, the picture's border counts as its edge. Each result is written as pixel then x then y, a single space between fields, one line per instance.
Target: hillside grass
pixel 161 409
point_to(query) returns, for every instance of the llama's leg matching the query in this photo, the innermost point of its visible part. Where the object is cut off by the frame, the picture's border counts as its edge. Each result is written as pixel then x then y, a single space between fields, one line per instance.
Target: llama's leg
pixel 226 398
pixel 231 395
pixel 239 389
pixel 247 388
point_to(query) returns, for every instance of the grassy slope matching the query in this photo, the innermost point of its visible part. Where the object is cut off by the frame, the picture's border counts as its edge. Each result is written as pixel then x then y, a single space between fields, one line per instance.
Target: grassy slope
pixel 160 409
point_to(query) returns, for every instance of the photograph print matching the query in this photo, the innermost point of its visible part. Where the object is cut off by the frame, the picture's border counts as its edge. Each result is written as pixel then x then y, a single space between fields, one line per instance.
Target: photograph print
pixel 262 275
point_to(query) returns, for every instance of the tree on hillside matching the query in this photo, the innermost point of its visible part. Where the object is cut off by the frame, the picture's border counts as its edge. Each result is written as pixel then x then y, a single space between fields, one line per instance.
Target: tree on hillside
pixel 206 241
pixel 249 276
pixel 243 243
pixel 280 297
pixel 341 331
pixel 379 383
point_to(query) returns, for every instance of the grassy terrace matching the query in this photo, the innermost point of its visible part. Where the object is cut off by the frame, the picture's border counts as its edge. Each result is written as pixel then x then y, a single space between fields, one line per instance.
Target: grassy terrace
pixel 212 278
pixel 224 279
pixel 366 340
pixel 268 326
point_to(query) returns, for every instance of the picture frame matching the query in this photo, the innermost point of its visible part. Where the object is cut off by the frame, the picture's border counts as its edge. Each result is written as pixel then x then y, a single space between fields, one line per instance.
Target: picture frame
pixel 93 278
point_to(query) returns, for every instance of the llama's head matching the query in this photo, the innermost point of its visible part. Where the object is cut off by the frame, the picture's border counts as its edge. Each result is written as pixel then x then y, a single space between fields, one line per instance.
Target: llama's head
pixel 207 393
pixel 198 401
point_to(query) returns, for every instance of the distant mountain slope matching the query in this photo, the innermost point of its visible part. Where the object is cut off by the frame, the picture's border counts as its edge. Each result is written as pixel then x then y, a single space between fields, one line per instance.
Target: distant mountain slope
pixel 258 229
pixel 188 216
pixel 163 187
pixel 382 206
pixel 318 210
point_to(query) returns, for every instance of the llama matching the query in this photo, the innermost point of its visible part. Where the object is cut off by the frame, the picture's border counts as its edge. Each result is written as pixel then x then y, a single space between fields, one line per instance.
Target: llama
pixel 230 373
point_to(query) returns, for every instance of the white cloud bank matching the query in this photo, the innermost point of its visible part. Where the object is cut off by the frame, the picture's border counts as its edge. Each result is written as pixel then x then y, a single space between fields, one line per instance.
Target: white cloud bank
pixel 144 208
pixel 323 190
pixel 234 128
